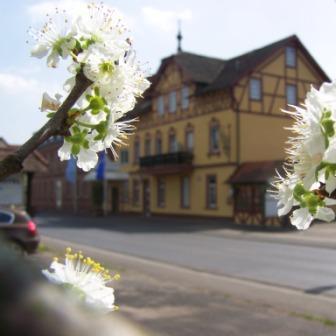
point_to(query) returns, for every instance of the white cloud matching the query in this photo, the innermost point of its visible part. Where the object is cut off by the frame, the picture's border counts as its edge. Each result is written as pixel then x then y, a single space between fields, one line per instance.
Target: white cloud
pixel 16 84
pixel 165 20
pixel 40 10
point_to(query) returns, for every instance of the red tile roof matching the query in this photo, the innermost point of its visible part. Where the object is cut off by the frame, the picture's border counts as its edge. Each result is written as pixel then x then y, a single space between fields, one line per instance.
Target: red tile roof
pixel 35 162
pixel 255 172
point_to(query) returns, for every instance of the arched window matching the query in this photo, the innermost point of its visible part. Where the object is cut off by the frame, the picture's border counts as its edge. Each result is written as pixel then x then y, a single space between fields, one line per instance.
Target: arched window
pixel 158 143
pixel 189 138
pixel 214 137
pixel 172 141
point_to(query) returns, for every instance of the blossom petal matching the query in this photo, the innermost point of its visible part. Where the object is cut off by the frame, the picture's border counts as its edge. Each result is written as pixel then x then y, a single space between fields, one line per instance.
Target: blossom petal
pixel 301 218
pixel 64 153
pixel 39 51
pixel 325 214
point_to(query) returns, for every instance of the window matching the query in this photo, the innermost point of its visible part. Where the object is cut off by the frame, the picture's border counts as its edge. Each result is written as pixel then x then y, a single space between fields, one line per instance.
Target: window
pixel 255 89
pixel 136 193
pixel 172 142
pixel 158 144
pixel 172 102
pixel 211 192
pixel 214 137
pixel 124 156
pixel 185 192
pixel 161 190
pixel 136 150
pixel 185 97
pixel 291 57
pixel 291 94
pixel 189 140
pixel 147 146
pixel 160 105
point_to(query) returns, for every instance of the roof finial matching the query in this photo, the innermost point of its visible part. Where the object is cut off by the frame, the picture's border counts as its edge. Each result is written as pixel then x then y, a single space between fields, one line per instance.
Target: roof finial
pixel 179 37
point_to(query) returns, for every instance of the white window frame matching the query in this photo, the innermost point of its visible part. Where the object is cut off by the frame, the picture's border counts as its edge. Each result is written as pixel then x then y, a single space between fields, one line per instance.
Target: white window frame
pixel 212 192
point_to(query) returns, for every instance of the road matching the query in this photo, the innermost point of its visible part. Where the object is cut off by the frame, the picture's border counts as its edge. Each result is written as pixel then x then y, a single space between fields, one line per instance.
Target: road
pixel 179 242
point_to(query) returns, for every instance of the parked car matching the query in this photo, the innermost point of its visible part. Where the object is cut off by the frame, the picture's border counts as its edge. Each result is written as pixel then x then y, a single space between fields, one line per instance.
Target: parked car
pixel 19 229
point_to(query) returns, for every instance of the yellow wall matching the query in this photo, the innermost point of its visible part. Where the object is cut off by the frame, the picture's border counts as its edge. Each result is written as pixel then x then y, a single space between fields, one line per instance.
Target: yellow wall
pixel 260 130
pixel 262 135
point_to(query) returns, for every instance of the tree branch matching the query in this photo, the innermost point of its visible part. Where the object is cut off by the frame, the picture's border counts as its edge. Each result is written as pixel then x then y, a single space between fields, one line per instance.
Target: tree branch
pixel 57 125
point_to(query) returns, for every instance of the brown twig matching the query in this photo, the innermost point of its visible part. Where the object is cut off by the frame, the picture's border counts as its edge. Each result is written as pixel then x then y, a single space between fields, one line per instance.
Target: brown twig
pixel 57 125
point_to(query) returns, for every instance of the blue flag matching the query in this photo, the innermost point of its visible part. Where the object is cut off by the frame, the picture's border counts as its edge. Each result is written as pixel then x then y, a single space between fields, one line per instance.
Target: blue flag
pixel 71 170
pixel 100 170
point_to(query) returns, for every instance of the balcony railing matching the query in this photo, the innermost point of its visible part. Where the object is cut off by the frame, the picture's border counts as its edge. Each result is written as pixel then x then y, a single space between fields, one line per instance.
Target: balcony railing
pixel 177 158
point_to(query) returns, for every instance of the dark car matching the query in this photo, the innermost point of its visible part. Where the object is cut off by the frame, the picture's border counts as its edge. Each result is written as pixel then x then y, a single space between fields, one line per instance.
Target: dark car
pixel 18 228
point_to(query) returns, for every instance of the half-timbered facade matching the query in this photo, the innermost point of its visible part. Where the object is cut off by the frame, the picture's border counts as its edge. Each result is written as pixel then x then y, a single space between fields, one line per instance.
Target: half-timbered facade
pixel 208 127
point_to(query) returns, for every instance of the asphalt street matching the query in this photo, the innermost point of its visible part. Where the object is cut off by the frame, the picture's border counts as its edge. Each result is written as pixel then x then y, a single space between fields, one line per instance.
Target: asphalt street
pixel 182 243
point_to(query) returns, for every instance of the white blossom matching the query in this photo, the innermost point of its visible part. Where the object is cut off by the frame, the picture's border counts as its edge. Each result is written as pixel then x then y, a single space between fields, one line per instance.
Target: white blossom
pixel 85 278
pixel 50 103
pixel 64 152
pixel 312 159
pixel 96 41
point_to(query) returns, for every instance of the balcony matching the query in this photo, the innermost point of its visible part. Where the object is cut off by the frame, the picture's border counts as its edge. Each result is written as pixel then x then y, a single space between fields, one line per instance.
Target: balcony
pixel 165 164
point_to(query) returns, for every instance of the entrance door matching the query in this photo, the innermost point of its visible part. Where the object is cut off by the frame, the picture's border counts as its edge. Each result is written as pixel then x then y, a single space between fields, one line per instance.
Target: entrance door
pixel 115 199
pixel 146 198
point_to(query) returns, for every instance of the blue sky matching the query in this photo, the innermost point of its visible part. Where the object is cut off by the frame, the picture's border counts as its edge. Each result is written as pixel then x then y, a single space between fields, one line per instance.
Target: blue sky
pixel 217 28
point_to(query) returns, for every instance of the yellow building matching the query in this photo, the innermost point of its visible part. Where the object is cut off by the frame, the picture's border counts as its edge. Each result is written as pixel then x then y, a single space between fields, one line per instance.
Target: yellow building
pixel 211 132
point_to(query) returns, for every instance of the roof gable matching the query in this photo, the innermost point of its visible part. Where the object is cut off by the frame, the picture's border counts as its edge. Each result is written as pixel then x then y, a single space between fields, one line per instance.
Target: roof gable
pixel 195 68
pixel 240 66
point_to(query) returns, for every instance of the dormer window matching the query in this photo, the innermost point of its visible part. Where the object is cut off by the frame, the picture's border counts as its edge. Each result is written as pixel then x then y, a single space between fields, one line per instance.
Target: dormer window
pixel 255 89
pixel 172 102
pixel 290 57
pixel 160 105
pixel 185 97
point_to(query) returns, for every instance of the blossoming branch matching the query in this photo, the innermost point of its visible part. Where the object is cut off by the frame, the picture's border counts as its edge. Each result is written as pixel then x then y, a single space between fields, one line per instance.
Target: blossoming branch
pixel 310 180
pixel 95 40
